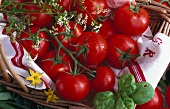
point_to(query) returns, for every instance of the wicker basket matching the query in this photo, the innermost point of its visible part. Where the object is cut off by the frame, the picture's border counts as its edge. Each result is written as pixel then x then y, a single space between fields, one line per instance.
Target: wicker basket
pixel 160 22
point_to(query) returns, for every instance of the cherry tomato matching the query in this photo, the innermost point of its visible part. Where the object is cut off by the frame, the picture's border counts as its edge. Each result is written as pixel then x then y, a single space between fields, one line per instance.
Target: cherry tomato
pixel 69 37
pixel 124 43
pixel 35 44
pixel 130 23
pixel 107 29
pixel 53 65
pixel 104 79
pixel 66 4
pixel 92 8
pixel 37 18
pixel 167 96
pixel 155 103
pixel 72 87
pixel 94 48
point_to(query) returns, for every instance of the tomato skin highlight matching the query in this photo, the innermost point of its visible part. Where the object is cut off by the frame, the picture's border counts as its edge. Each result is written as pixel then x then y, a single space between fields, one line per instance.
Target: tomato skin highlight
pixel 72 87
pixel 129 23
pixel 155 103
pixel 124 43
pixel 97 48
pixel 104 79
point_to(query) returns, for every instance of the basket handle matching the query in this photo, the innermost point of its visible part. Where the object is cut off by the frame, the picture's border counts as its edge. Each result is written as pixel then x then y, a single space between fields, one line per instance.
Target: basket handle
pixel 4 72
pixel 15 76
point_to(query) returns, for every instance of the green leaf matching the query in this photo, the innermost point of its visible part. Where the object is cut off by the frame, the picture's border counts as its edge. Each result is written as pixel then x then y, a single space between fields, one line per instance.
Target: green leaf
pixel 5 96
pixel 5 106
pixel 125 103
pixel 104 100
pixel 126 84
pixel 143 93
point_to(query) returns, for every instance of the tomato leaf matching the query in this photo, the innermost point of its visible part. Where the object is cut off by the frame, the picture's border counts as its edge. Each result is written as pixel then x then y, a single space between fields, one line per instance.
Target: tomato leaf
pixel 143 93
pixel 126 103
pixel 104 100
pixel 5 96
pixel 126 84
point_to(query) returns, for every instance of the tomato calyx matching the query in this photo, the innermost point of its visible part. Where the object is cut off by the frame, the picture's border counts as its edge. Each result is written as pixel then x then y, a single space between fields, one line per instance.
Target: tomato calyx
pixel 83 49
pixel 125 56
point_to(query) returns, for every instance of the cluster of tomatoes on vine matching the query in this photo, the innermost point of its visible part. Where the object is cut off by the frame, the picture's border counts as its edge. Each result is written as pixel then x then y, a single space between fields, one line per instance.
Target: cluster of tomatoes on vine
pixel 78 50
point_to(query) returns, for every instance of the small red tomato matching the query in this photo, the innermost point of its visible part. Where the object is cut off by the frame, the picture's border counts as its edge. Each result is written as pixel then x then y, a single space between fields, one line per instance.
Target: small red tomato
pixel 54 65
pixel 107 29
pixel 38 16
pixel 93 9
pixel 72 87
pixel 104 79
pixel 92 48
pixel 130 23
pixel 35 44
pixel 155 103
pixel 68 38
pixel 66 4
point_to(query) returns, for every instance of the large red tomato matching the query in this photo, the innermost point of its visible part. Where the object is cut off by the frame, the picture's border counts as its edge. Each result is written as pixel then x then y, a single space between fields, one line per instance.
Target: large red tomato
pixel 92 8
pixel 54 65
pixel 104 79
pixel 93 48
pixel 38 16
pixel 130 23
pixel 155 103
pixel 35 44
pixel 69 38
pixel 118 47
pixel 107 29
pixel 72 87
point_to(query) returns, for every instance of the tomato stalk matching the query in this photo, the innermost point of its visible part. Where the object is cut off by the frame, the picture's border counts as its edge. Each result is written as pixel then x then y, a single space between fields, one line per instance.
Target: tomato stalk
pixel 70 53
pixel 125 56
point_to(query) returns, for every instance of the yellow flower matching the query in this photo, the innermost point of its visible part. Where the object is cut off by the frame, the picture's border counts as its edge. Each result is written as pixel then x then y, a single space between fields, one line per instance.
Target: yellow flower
pixel 35 77
pixel 51 96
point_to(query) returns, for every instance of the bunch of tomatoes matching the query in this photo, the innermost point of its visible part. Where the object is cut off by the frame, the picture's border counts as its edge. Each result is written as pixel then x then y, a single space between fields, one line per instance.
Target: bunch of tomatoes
pixel 76 42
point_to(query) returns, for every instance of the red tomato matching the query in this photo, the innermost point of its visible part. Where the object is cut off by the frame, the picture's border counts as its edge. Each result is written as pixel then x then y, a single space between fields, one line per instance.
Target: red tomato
pixel 124 43
pixel 35 44
pixel 94 48
pixel 164 2
pixel 104 79
pixel 66 4
pixel 70 37
pixel 167 96
pixel 37 18
pixel 129 22
pixel 53 65
pixel 72 87
pixel 92 8
pixel 107 29
pixel 155 103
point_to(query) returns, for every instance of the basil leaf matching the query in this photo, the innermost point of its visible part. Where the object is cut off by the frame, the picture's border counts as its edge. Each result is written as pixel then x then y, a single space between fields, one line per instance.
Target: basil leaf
pixel 126 84
pixel 104 100
pixel 126 103
pixel 5 96
pixel 143 93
